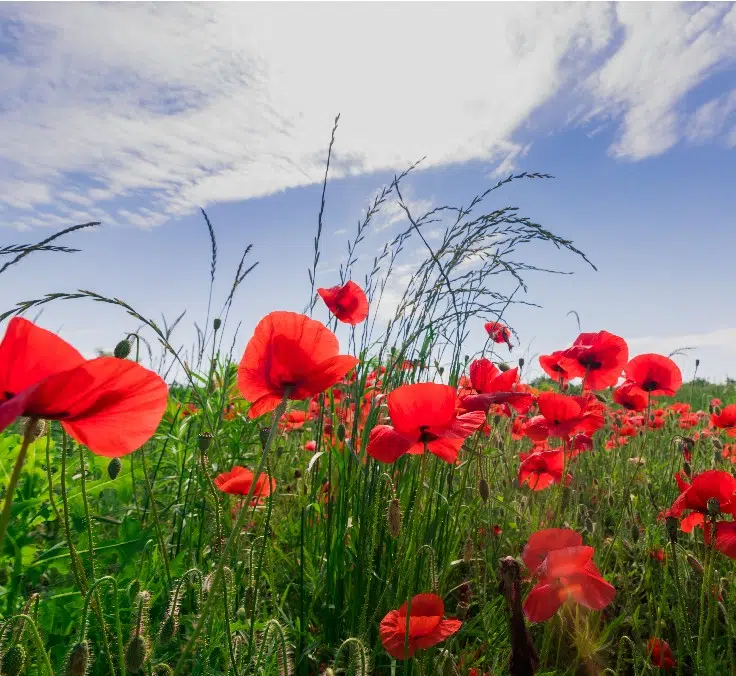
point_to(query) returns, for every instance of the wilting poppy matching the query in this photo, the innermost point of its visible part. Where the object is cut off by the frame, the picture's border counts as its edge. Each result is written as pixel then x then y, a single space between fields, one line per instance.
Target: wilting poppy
pixel 694 496
pixel 423 413
pixel 239 480
pixel 498 333
pixel 661 654
pixel 598 358
pixel 657 375
pixel 292 353
pixel 348 302
pixel 725 420
pixel 112 406
pixel 542 469
pixel 426 626
pixel 630 396
pixel 564 570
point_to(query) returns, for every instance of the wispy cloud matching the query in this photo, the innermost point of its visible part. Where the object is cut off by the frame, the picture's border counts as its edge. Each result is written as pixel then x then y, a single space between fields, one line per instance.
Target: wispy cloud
pixel 172 106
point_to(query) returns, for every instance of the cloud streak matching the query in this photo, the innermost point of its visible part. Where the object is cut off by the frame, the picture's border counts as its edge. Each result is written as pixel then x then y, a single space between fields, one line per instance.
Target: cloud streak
pixel 145 111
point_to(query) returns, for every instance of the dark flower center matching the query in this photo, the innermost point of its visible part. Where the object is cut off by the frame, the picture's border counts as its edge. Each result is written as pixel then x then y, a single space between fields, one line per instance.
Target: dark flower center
pixel 590 362
pixel 425 435
pixel 650 385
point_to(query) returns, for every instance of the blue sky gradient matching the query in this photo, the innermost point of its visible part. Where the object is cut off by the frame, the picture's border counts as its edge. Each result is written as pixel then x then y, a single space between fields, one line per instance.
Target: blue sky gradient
pixel 655 213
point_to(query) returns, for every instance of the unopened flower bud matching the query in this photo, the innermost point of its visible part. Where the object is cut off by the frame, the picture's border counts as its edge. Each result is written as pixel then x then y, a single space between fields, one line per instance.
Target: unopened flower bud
pixel 163 669
pixel 122 349
pixel 14 660
pixel 136 654
pixel 635 533
pixel 503 366
pixel 263 435
pixel 695 564
pixel 33 428
pixel 114 467
pixel 341 432
pixel 714 507
pixel 169 627
pixel 133 588
pixel 672 525
pixel 393 518
pixel 216 323
pixel 77 662
pixel 521 362
pixel 204 440
pixel 484 490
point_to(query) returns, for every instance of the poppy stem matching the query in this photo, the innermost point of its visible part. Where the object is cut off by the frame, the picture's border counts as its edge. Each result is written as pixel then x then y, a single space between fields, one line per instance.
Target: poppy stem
pixel 234 536
pixel 28 436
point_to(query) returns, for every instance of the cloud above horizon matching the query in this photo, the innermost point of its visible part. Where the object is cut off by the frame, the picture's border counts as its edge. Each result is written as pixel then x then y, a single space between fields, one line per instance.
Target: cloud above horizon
pixel 138 113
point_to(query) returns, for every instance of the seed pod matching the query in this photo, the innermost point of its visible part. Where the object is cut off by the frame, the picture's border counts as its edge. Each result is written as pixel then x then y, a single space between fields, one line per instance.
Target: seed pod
pixel 216 323
pixel 114 467
pixel 204 440
pixel 136 654
pixel 484 490
pixel 14 660
pixel 503 366
pixel 671 524
pixel 393 518
pixel 714 507
pixel 521 362
pixel 263 434
pixel 122 349
pixel 77 662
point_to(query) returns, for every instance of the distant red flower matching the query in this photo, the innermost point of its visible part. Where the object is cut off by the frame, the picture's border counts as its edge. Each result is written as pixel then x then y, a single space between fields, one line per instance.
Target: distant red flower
pixel 598 358
pixel 725 420
pixel 426 626
pixel 239 480
pixel 188 409
pixel 657 375
pixel 293 420
pixel 661 654
pixel 564 570
pixel 657 554
pixel 423 413
pixel 497 530
pixel 310 446
pixel 498 333
pixel 630 396
pixel 112 406
pixel 348 302
pixel 552 365
pixel 289 350
pixel 541 470
pixel 694 497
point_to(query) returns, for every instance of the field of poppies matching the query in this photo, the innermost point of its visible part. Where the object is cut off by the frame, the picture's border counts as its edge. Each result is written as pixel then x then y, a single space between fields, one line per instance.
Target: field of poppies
pixel 389 505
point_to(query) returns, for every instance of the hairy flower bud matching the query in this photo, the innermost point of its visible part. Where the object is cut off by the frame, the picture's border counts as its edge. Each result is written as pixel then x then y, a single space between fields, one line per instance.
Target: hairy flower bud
pixel 393 518
pixel 14 660
pixel 695 564
pixel 136 653
pixel 484 490
pixel 122 349
pixel 341 432
pixel 114 467
pixel 77 662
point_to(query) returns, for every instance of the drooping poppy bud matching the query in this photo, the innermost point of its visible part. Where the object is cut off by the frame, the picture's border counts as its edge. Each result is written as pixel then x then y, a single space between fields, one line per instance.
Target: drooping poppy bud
pixel 78 660
pixel 122 349
pixel 393 518
pixel 14 660
pixel 114 467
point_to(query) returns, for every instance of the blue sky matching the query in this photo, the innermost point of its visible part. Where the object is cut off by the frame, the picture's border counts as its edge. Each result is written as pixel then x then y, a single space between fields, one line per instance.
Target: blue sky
pixel 140 126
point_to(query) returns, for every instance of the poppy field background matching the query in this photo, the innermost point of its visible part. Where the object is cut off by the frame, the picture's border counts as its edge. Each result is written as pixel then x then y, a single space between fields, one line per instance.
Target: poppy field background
pixel 387 504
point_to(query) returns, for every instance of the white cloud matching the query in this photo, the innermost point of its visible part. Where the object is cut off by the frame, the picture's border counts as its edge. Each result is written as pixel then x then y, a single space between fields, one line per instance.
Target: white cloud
pixel 392 212
pixel 197 103
pixel 709 120
pixel 724 339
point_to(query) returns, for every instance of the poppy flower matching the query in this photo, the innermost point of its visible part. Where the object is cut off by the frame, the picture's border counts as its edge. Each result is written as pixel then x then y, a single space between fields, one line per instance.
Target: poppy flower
pixel 694 497
pixel 565 415
pixel 598 358
pixel 564 570
pixel 348 302
pixel 661 654
pixel 292 353
pixel 630 396
pixel 423 413
pixel 725 538
pixel 112 406
pixel 498 333
pixel 426 626
pixel 542 469
pixel 725 420
pixel 657 375
pixel 495 387
pixel 552 365
pixel 239 480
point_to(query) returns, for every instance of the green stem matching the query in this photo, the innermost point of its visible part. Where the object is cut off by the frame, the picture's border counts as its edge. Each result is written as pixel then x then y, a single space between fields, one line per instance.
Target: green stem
pixel 154 511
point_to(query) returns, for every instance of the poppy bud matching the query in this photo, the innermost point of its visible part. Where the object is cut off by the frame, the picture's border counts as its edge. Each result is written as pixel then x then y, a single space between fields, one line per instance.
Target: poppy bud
pixel 393 518
pixel 635 533
pixel 671 524
pixel 462 610
pixel 263 435
pixel 697 363
pixel 521 362
pixel 297 474
pixel 114 467
pixel 714 507
pixel 503 366
pixel 599 397
pixel 468 550
pixel 136 654
pixel 133 589
pixel 204 440
pixel 168 627
pixel 77 662
pixel 162 669
pixel 122 349
pixel 484 490
pixel 216 323
pixel 341 432
pixel 14 660
pixel 695 564
pixel 687 469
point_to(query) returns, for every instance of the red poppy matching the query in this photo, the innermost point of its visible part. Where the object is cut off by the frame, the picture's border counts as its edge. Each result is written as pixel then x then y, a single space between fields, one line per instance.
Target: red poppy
pixel 694 497
pixel 426 626
pixel 564 570
pixel 495 387
pixel 630 396
pixel 289 351
pixel 661 654
pixel 293 420
pixel 725 538
pixel 310 446
pixel 348 302
pixel 541 470
pixel 421 414
pixel 552 365
pixel 565 415
pixel 112 406
pixel 725 420
pixel 598 358
pixel 498 333
pixel 657 375
pixel 239 480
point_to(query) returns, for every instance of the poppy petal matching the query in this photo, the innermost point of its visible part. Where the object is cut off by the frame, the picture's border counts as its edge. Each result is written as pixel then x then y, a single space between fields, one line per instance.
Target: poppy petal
pixel 442 631
pixel 544 541
pixel 421 404
pixel 387 445
pixel 591 591
pixel 542 602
